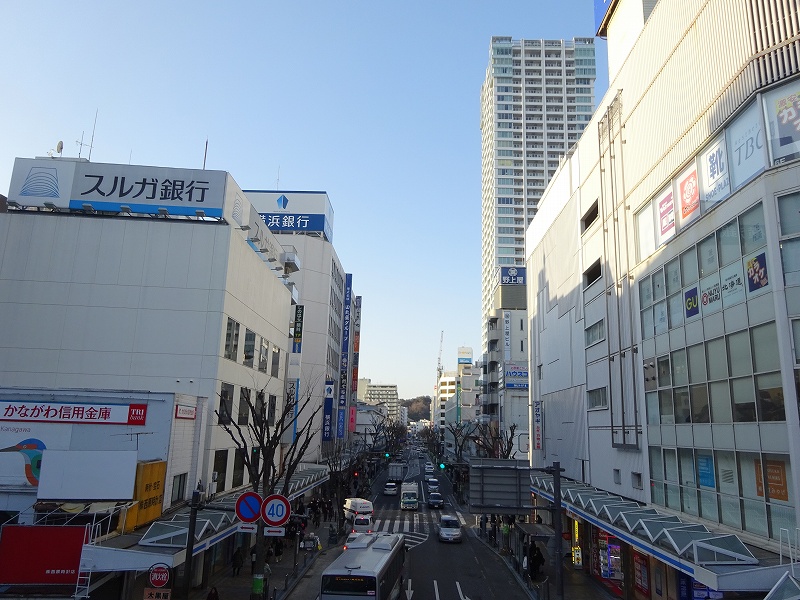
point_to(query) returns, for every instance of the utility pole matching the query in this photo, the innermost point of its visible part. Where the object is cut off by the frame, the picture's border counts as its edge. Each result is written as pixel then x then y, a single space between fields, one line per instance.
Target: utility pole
pixel 555 470
pixel 187 566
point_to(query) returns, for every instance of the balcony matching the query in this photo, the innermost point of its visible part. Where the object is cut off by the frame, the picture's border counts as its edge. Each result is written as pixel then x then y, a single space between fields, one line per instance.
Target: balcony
pixel 290 261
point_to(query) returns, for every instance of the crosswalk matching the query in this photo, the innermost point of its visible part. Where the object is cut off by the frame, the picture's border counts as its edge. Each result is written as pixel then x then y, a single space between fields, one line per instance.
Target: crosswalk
pixel 415 526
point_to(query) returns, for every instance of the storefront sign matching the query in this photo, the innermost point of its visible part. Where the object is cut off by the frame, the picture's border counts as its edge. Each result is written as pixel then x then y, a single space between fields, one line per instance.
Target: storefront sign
pixel 537 424
pixel 776 480
pixel 732 284
pixel 715 172
pixel 666 216
pixel 689 196
pixel 185 412
pixel 73 412
pixel 641 576
pixel 691 302
pixel 756 269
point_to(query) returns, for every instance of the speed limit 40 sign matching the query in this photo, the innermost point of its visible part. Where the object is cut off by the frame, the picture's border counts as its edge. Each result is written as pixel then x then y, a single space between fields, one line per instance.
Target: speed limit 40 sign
pixel 275 510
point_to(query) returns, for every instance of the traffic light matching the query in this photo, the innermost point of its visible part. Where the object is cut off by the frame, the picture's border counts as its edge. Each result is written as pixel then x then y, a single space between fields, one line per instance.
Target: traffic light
pixel 441 466
pixel 355 474
pixel 386 455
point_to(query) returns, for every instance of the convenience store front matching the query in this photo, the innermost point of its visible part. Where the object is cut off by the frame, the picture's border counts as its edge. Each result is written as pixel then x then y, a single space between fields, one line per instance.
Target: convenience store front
pixel 639 552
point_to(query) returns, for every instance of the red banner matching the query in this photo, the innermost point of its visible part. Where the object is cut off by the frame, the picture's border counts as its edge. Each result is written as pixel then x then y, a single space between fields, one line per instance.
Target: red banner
pixel 41 554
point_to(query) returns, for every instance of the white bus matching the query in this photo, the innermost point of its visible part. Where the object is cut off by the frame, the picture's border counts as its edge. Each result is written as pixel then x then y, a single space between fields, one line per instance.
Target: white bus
pixel 371 567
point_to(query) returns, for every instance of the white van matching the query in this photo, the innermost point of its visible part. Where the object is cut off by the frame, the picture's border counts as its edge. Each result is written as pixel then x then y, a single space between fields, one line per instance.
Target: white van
pixel 363 524
pixel 357 506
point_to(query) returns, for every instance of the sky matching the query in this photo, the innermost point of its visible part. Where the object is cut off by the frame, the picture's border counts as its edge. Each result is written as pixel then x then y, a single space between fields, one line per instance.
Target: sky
pixel 374 102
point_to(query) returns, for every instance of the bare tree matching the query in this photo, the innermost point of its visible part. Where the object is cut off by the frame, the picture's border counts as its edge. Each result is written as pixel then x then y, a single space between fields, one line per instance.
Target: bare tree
pixel 395 431
pixel 493 442
pixel 276 451
pixel 462 433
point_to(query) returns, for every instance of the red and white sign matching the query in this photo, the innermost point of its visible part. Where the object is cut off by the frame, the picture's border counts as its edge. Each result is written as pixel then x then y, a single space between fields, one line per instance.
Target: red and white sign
pixel 185 412
pixel 41 554
pixel 248 507
pixel 159 575
pixel 275 510
pixel 76 413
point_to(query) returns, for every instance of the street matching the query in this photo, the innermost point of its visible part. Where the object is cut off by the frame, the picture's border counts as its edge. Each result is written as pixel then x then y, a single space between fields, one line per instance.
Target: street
pixel 465 571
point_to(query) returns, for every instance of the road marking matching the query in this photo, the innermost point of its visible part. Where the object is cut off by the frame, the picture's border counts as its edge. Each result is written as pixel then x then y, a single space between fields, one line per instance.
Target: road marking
pixel 409 591
pixel 460 594
pixel 461 518
pixel 436 589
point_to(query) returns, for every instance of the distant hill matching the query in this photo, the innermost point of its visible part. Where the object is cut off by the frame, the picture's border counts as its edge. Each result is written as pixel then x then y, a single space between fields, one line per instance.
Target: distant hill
pixel 418 408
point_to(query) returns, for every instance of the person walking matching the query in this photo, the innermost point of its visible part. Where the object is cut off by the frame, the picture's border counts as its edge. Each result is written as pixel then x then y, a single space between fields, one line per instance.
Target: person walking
pixel 536 562
pixel 237 562
pixel 253 556
pixel 212 594
pixel 278 550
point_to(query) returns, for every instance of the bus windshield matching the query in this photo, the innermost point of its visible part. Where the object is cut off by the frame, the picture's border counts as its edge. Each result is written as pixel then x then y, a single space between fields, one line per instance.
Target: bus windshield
pixel 348 585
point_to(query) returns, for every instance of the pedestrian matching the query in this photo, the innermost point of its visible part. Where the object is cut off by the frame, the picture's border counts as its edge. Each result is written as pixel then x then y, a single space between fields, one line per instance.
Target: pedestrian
pixel 536 562
pixel 237 561
pixel 324 506
pixel 278 550
pixel 212 594
pixel 316 517
pixel 253 556
pixel 483 525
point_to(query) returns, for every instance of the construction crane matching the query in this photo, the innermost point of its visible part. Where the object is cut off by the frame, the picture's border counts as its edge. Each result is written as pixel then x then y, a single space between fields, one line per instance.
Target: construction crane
pixel 439 363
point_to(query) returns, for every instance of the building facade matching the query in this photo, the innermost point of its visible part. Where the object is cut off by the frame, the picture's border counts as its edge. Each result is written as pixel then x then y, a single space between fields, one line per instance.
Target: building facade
pixel 664 302
pixel 386 394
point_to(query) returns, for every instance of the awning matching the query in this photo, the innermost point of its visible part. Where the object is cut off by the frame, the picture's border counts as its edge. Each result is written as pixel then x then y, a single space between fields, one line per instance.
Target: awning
pixel 719 560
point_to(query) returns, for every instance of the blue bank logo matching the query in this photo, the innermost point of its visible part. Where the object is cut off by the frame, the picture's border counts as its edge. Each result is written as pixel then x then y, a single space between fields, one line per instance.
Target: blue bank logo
pixel 282 201
pixel 41 182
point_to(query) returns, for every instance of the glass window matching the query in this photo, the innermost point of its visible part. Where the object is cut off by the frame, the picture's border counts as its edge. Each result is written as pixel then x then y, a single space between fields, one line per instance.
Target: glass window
pixel 682 410
pixel 755 516
pixel 765 347
pixel 697 363
pixel 707 254
pixel 178 488
pixel 700 410
pixel 728 243
pixel 686 458
pixel 595 333
pixel 663 372
pixel 744 399
pixel 790 261
pixel 659 287
pixel 225 404
pixel 249 347
pixel 673 276
pixel 653 416
pixel 597 398
pixel 649 368
pixel 680 370
pixel 660 317
pixel 232 339
pixel 720 402
pixel 789 212
pixel 656 464
pixel 717 359
pixel 665 407
pixel 728 483
pixel 770 397
pixel 645 292
pixel 751 229
pixel 262 357
pixel 670 465
pixel 796 335
pixel 675 309
pixel 647 323
pixel 272 409
pixel 238 467
pixel 221 468
pixel 276 361
pixel 689 266
pixel 646 230
pixel 708 506
pixel 244 406
pixel 739 353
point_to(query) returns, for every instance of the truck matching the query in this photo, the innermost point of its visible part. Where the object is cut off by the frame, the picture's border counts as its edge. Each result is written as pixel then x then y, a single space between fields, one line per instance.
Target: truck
pixel 396 471
pixel 409 496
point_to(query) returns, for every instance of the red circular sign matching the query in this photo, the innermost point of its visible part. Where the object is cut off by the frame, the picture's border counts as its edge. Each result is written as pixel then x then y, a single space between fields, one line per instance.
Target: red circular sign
pixel 275 510
pixel 248 507
pixel 159 575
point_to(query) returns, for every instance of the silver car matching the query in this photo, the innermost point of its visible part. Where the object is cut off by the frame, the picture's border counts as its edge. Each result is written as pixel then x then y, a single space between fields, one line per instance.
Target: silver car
pixel 450 529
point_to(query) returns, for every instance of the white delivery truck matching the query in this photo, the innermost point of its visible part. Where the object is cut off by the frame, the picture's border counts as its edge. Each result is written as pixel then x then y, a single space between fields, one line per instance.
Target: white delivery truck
pixel 409 496
pixel 396 471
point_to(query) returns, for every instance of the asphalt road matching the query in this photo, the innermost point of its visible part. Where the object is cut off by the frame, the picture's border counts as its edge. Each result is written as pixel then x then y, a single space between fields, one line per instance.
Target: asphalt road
pixel 437 570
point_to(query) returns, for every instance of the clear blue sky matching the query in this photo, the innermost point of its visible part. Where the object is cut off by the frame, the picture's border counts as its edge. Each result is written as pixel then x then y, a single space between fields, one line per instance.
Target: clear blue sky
pixel 374 102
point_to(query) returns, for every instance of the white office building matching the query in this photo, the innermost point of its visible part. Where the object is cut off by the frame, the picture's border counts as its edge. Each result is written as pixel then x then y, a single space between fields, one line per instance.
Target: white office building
pixel 664 303
pixel 386 394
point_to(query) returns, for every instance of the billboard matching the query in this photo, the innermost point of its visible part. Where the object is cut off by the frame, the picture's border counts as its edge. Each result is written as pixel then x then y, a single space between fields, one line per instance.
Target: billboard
pixel 782 112
pixel 297 340
pixel 73 184
pixel 41 554
pixel 345 363
pixel 100 475
pixel 327 411
pixel 512 275
pixel 294 211
pixel 73 412
pixel 464 355
pixel 148 493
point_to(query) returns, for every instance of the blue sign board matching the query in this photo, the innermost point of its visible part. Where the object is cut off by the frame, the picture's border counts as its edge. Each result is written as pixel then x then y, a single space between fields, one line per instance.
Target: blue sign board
pixel 348 300
pixel 282 222
pixel 705 470
pixel 691 302
pixel 327 412
pixel 512 275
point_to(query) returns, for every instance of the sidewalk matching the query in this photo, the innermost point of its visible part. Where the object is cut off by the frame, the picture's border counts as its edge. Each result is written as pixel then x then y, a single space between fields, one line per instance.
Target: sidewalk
pixel 282 580
pixel 577 584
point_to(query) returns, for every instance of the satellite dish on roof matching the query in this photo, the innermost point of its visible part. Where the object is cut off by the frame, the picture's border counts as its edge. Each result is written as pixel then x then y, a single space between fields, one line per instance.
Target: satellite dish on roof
pixel 60 147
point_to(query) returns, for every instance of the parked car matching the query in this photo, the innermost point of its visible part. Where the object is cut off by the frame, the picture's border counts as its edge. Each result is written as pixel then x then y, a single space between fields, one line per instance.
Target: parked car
pixel 390 489
pixel 435 500
pixel 449 529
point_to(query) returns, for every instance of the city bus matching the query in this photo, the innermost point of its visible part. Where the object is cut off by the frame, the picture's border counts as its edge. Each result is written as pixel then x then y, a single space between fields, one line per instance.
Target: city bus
pixel 372 567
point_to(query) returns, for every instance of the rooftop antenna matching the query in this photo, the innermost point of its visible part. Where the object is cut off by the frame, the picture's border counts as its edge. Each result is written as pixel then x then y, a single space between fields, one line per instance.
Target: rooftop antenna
pixel 278 181
pixel 80 144
pixel 205 155
pixel 59 149
pixel 91 143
